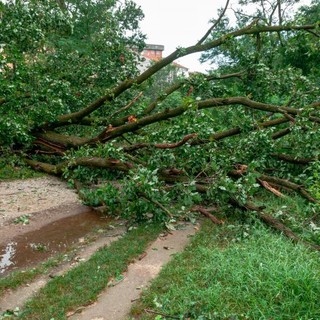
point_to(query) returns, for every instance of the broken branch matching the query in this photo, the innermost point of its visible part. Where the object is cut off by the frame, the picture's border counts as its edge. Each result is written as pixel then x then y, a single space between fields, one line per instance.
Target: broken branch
pixel 207 214
pixel 161 145
pixel 267 186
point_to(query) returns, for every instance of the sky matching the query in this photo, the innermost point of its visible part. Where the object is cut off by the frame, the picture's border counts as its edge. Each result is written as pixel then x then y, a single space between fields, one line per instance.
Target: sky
pixel 175 23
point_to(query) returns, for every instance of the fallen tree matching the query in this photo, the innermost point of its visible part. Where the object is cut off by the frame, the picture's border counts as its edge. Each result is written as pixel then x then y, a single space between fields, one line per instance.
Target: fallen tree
pixel 179 145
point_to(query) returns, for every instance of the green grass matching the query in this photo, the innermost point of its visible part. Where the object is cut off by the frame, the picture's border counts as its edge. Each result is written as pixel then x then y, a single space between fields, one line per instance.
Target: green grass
pixel 295 212
pixel 12 168
pixel 237 271
pixel 81 285
pixel 18 278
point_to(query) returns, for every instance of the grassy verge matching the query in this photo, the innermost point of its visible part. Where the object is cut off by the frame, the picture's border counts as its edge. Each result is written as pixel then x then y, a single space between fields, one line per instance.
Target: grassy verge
pixel 81 285
pixel 18 278
pixel 239 271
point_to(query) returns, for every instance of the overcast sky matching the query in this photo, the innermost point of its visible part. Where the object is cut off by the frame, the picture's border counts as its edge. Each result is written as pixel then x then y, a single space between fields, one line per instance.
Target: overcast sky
pixel 174 23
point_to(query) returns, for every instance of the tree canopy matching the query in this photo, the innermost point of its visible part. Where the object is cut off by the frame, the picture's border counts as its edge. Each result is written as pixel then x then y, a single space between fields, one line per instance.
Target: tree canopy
pixel 73 104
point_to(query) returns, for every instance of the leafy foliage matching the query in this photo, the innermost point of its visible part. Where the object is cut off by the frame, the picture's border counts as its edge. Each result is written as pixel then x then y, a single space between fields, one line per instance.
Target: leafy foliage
pixel 53 61
pixel 74 104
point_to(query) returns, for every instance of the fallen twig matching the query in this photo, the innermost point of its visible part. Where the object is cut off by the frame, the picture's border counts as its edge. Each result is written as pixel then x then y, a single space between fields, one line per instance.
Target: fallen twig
pixel 276 224
pixel 288 184
pixel 206 213
pixel 241 169
pixel 292 159
pixel 127 106
pixel 160 314
pixel 163 208
pixel 267 186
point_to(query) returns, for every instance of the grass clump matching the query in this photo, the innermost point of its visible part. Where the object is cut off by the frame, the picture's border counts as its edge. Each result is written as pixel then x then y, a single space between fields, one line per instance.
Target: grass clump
pixel 81 285
pixel 18 278
pixel 236 272
pixel 12 167
pixel 295 212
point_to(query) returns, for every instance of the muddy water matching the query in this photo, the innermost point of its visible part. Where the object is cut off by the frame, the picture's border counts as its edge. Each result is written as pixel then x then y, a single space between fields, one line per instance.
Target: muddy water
pixel 31 248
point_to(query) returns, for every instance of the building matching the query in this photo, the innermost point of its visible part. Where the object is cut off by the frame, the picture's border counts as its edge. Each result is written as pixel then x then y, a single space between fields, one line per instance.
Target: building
pixel 153 53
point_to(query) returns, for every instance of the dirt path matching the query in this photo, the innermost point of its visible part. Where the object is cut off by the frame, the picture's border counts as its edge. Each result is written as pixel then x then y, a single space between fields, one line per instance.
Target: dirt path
pixel 39 203
pixel 48 201
pixel 17 298
pixel 116 301
pixel 31 195
pixel 35 197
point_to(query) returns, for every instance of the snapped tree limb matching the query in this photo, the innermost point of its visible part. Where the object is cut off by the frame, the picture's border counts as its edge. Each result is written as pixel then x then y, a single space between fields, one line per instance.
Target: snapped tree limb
pixel 113 93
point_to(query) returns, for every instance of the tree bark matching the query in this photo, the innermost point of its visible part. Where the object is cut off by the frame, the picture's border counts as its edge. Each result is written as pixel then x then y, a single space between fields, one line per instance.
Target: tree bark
pixel 277 225
pixel 292 159
pixel 76 117
pixel 207 214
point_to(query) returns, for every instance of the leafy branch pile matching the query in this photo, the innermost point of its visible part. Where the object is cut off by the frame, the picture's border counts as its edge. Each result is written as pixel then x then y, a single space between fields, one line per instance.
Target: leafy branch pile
pixel 156 145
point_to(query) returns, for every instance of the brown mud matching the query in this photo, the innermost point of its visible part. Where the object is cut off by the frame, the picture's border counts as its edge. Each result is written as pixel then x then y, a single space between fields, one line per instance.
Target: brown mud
pixel 38 245
pixel 32 196
pixel 13 299
pixel 38 218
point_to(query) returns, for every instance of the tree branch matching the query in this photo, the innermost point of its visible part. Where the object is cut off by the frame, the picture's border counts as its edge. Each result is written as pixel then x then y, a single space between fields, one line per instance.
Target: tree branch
pixel 291 159
pixel 288 184
pixel 93 162
pixel 111 133
pixel 179 84
pixel 277 225
pixel 279 182
pixel 160 145
pixel 107 135
pixel 157 203
pixel 127 106
pixel 207 214
pixel 214 25
pixel 237 130
pixel 116 91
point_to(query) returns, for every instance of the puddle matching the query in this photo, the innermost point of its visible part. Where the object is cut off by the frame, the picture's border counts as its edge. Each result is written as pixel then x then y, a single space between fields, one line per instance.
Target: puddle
pixel 9 252
pixel 38 245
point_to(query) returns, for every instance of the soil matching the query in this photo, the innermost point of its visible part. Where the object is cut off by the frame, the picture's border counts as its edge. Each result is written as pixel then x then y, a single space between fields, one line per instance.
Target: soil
pixel 53 210
pixel 13 299
pixel 33 196
pixel 30 212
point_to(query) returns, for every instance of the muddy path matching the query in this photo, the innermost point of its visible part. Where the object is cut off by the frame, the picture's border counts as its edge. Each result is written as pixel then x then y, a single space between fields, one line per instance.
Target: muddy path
pixel 115 302
pixel 34 197
pixel 52 219
pixel 31 247
pixel 28 205
pixel 39 218
pixel 13 299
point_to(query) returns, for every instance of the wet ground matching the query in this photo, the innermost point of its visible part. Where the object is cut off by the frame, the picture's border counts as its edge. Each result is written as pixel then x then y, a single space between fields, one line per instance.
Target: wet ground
pixel 115 302
pixel 35 246
pixel 27 197
pixel 39 218
pixel 16 298
pixel 53 227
